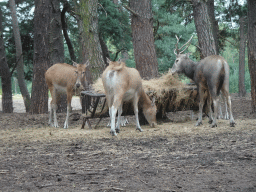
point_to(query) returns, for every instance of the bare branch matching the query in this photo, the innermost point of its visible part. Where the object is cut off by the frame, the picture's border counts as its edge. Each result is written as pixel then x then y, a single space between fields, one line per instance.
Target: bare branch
pixel 103 9
pixel 133 12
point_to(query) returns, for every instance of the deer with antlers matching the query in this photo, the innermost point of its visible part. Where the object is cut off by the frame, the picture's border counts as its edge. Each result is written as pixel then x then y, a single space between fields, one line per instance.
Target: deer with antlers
pixel 211 75
pixel 64 78
pixel 124 84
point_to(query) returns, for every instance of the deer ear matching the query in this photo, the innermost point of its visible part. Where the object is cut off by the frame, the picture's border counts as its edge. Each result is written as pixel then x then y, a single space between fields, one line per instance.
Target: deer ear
pixel 108 60
pixel 74 63
pixel 87 63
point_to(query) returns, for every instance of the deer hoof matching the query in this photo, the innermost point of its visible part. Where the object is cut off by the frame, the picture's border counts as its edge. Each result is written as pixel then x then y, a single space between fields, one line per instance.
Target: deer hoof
pixel 232 124
pixel 210 121
pixel 199 123
pixel 213 125
pixel 138 128
pixel 113 133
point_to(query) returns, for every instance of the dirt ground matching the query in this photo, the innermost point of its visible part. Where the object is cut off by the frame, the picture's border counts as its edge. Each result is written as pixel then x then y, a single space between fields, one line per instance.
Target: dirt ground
pixel 174 156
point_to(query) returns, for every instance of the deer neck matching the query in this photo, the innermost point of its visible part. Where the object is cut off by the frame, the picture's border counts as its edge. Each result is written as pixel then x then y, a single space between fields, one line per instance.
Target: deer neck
pixel 189 69
pixel 145 101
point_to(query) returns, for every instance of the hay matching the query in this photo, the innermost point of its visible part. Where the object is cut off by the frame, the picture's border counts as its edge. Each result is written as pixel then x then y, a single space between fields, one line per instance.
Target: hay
pixel 154 87
pixel 98 86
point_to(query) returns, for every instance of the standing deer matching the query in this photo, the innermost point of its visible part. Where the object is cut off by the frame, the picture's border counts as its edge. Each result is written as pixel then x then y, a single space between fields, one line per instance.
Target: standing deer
pixel 121 84
pixel 211 76
pixel 64 78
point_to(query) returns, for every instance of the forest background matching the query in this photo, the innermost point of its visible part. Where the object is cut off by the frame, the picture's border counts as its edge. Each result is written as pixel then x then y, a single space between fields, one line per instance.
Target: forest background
pixel 114 30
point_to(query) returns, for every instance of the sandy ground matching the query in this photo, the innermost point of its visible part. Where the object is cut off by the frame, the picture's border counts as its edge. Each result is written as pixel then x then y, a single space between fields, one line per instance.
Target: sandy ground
pixel 174 156
pixel 18 104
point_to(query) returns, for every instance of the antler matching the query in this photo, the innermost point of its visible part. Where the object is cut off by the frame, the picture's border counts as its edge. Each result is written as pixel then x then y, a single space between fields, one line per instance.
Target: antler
pixel 178 51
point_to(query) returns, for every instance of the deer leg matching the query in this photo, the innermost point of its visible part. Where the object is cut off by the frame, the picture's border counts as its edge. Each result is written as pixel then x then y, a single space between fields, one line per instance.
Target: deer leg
pixel 124 121
pixel 136 112
pixel 53 108
pixel 215 100
pixel 109 109
pixel 209 104
pixel 225 91
pixel 118 124
pixel 69 98
pixel 231 118
pixel 116 105
pixel 220 114
pixel 113 112
pixel 215 105
pixel 226 109
pixel 201 105
pixel 232 121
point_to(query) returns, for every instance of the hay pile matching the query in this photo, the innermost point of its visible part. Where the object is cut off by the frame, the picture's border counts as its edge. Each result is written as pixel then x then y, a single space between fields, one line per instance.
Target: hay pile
pixel 170 93
pixel 156 87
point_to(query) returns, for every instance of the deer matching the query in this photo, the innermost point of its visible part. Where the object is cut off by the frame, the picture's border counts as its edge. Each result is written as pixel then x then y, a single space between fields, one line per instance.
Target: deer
pixel 68 79
pixel 211 75
pixel 124 84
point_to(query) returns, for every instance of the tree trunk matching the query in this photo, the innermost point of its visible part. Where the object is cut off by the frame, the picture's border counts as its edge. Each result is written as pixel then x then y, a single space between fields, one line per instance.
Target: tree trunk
pixel 57 47
pixel 65 33
pixel 19 57
pixel 124 52
pixel 252 49
pixel 203 27
pixel 242 91
pixel 5 75
pixel 143 38
pixel 42 56
pixel 214 24
pixel 90 38
pixel 104 48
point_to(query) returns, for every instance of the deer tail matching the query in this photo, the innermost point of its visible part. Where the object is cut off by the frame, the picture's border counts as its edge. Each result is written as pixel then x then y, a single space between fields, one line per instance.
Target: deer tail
pixel 119 67
pixel 221 78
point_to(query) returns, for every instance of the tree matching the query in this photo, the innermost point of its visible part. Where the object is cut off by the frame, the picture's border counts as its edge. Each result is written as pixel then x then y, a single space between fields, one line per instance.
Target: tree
pixel 5 74
pixel 57 47
pixel 204 28
pixel 252 49
pixel 214 23
pixel 19 57
pixel 42 56
pixel 90 38
pixel 167 24
pixel 143 38
pixel 66 8
pixel 243 38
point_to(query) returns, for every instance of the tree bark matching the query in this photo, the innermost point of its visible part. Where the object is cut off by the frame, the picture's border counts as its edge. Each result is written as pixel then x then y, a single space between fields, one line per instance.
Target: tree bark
pixel 90 38
pixel 243 38
pixel 143 38
pixel 203 27
pixel 214 24
pixel 42 55
pixel 19 57
pixel 104 48
pixel 5 74
pixel 252 49
pixel 57 47
pixel 124 52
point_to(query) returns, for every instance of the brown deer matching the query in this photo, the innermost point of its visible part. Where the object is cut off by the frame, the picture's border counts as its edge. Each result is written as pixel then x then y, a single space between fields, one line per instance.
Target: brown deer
pixel 64 78
pixel 211 76
pixel 121 84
